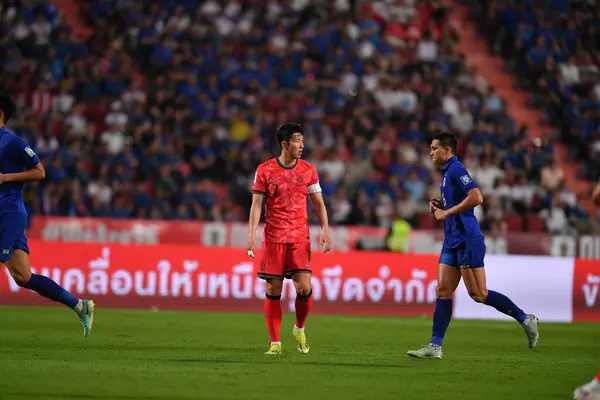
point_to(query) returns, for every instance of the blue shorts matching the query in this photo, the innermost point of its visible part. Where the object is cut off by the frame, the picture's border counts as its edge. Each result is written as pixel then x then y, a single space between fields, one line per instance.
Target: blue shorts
pixel 12 235
pixel 468 254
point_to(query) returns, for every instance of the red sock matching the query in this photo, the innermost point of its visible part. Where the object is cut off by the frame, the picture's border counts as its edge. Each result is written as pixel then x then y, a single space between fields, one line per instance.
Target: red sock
pixel 303 306
pixel 273 317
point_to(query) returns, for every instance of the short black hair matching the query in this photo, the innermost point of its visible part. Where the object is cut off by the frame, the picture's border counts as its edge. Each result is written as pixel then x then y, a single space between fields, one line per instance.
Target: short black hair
pixel 7 105
pixel 286 131
pixel 447 140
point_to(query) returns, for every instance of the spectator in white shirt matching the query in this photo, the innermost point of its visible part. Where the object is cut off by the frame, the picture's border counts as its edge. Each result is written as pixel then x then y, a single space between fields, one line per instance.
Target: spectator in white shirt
pixel 408 99
pixel 486 175
pixel 522 195
pixel 556 218
pixel 402 11
pixel 427 49
pixel 570 71
pixel 42 30
pixel 462 121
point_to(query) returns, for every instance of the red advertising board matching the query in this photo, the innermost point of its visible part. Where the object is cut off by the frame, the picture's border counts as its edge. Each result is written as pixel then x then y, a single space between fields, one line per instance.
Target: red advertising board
pixel 586 291
pixel 201 278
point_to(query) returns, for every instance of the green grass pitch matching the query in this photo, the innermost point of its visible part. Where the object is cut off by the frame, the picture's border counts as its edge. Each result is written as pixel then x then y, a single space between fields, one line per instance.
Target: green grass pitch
pixel 135 354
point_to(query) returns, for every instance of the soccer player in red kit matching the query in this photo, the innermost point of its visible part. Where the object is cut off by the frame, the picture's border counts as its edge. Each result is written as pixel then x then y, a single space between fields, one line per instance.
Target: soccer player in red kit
pixel 285 183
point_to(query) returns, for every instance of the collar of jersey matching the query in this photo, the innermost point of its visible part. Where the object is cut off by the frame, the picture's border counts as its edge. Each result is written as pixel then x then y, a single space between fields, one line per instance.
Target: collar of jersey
pixel 284 167
pixel 448 163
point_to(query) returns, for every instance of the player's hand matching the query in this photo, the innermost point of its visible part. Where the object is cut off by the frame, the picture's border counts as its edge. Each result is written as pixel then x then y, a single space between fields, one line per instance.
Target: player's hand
pixel 326 242
pixel 433 204
pixel 250 247
pixel 439 214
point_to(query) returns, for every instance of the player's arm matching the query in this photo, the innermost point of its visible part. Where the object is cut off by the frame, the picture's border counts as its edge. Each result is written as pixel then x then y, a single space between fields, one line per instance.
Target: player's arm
pixel 25 156
pixel 321 211
pixel 472 200
pixel 316 196
pixel 259 191
pixel 255 210
pixel 36 173
pixel 473 197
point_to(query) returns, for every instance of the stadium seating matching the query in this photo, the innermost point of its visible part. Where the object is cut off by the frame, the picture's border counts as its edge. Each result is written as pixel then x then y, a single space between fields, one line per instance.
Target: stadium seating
pixel 166 109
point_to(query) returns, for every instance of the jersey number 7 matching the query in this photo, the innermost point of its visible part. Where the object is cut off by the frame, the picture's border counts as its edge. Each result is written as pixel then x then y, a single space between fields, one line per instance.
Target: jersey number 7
pixel 273 189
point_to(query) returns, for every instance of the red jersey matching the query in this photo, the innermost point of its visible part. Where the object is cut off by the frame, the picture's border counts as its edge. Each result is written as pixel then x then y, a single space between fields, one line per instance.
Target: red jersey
pixel 286 190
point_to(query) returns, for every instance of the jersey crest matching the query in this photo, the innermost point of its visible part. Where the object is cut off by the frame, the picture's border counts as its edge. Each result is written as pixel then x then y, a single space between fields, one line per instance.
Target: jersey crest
pixel 466 179
pixel 29 151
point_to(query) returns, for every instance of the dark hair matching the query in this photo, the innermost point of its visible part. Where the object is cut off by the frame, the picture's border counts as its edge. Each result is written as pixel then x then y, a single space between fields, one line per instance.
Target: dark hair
pixel 7 105
pixel 447 140
pixel 286 131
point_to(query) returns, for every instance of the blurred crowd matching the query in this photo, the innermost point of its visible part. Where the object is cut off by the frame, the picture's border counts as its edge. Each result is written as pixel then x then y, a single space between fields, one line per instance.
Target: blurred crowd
pixel 552 47
pixel 165 111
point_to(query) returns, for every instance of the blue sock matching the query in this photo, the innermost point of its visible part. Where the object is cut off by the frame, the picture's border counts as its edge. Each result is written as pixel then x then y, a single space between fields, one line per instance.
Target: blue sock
pixel 505 305
pixel 441 320
pixel 51 290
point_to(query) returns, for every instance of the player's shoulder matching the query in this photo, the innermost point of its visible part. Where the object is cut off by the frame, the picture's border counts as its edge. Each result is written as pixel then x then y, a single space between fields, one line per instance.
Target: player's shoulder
pixel 8 134
pixel 306 165
pixel 457 167
pixel 269 164
pixel 10 137
pixel 268 167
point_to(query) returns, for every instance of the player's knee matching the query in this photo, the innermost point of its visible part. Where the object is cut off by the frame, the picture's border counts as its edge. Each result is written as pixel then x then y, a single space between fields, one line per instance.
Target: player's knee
pixel 21 278
pixel 302 284
pixel 443 292
pixel 304 291
pixel 274 287
pixel 478 295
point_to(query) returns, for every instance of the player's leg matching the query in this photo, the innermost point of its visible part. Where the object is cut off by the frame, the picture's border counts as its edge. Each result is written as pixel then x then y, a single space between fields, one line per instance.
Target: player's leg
pixel 298 267
pixel 271 270
pixel 19 269
pixel 273 314
pixel 471 261
pixel 448 280
pixel 15 254
pixel 589 391
pixel 304 300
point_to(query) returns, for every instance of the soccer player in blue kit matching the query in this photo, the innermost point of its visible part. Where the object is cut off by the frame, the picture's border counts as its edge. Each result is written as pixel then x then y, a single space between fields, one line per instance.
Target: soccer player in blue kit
pixel 19 163
pixel 463 251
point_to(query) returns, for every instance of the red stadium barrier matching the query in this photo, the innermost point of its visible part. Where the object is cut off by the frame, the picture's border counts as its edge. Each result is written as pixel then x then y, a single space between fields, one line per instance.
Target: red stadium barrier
pixel 586 291
pixel 200 278
pixel 343 238
pixel 154 233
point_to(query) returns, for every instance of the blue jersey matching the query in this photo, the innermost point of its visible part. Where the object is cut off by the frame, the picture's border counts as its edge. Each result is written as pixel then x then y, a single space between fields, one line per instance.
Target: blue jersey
pixel 15 156
pixel 456 183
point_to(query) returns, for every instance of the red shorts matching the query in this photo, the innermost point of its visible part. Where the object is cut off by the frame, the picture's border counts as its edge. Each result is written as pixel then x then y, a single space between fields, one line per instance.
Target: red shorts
pixel 282 260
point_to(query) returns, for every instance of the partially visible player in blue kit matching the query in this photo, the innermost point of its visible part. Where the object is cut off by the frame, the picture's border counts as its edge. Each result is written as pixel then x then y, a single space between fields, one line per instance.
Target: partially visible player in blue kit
pixel 463 251
pixel 19 163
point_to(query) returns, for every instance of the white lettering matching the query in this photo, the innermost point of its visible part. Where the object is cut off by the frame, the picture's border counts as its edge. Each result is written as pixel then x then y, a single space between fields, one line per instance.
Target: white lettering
pixel 241 282
pixel 121 283
pixel 332 282
pixel 150 288
pixel 164 266
pixel 74 232
pixel 590 293
pixel 218 284
pixel 74 281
